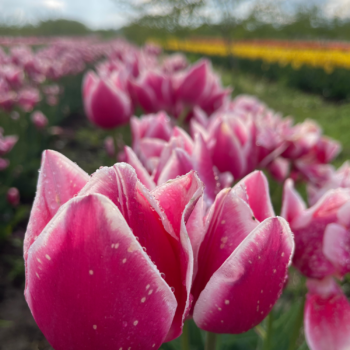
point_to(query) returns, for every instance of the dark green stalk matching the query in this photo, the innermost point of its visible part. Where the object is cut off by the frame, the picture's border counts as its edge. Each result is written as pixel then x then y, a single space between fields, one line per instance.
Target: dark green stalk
pixel 297 326
pixel 269 331
pixel 185 338
pixel 210 341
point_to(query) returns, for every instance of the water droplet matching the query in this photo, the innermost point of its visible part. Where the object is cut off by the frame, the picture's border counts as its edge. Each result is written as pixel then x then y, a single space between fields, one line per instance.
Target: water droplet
pixel 172 289
pixel 144 249
pixel 125 324
pixel 162 275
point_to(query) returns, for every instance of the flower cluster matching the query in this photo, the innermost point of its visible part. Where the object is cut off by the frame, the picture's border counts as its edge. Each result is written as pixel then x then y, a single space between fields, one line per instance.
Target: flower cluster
pixel 111 264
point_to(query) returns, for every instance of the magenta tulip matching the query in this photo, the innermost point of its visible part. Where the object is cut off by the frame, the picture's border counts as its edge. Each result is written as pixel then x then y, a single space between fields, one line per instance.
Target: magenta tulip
pixel 39 120
pixel 106 105
pixel 326 316
pixel 112 267
pixel 13 196
pixel 243 259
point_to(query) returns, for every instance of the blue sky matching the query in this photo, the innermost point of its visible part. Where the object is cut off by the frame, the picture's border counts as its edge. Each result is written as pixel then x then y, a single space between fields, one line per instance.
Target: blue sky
pixel 107 14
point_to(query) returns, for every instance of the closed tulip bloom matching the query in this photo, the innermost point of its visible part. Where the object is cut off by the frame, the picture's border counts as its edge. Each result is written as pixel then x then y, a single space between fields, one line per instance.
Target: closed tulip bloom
pixel 13 196
pixel 106 105
pixel 243 259
pixel 39 120
pixel 113 268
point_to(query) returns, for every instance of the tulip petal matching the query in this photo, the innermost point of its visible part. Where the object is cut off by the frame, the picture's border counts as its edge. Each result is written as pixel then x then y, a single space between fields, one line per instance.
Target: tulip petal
pixel 293 204
pixel 204 166
pixel 178 198
pixel 91 285
pixel 254 189
pixel 142 174
pixel 59 180
pixel 309 228
pixel 327 316
pixel 336 247
pixel 243 290
pixel 229 222
pixel 155 231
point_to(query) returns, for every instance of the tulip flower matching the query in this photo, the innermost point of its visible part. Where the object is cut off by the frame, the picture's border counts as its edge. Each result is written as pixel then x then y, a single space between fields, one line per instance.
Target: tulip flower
pixel 4 163
pixel 39 120
pixel 106 105
pixel 311 227
pixel 327 316
pixel 13 196
pixel 112 267
pixel 243 258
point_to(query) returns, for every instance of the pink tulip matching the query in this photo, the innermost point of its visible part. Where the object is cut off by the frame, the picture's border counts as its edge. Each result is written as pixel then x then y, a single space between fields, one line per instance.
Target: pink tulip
pixel 125 297
pixel 337 178
pixel 326 221
pixel 109 146
pixel 243 258
pixel 106 104
pixel 28 98
pixel 154 92
pixel 7 143
pixel 13 196
pixel 326 316
pixel 39 120
pixel 174 63
pixel 4 163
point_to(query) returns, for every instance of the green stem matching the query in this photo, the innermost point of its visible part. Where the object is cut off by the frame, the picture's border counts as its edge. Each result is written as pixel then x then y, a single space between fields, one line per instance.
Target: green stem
pixel 210 341
pixel 297 326
pixel 185 338
pixel 268 338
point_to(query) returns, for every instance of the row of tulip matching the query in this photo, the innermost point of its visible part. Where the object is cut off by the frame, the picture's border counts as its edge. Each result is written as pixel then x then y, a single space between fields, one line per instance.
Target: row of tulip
pixel 297 54
pixel 164 235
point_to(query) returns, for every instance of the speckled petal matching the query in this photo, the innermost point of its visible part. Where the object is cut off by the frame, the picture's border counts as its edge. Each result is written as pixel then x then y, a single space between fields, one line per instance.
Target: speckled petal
pixel 59 180
pixel 254 189
pixel 244 289
pixel 142 174
pixel 90 284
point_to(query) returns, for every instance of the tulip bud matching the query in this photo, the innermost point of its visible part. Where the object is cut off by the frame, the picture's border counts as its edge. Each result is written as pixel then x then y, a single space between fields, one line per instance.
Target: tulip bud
pixel 106 105
pixel 109 146
pixel 39 120
pixel 4 163
pixel 13 196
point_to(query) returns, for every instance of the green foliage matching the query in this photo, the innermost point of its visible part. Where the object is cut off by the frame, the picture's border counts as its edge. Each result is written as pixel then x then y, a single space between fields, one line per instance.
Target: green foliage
pixel 52 28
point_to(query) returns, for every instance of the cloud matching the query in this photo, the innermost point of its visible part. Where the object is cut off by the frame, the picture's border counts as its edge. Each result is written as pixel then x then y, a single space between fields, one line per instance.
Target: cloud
pixel 337 9
pixel 54 4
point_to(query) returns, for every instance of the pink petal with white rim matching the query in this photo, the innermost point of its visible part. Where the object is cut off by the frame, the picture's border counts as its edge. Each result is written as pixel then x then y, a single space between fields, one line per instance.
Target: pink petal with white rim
pixel 178 198
pixel 178 164
pixel 254 189
pixel 293 204
pixel 59 180
pixel 145 216
pixel 336 247
pixel 90 284
pixel 142 174
pixel 204 166
pixel 196 230
pixel 186 139
pixel 327 316
pixel 228 223
pixel 244 289
pixel 227 153
pixel 309 228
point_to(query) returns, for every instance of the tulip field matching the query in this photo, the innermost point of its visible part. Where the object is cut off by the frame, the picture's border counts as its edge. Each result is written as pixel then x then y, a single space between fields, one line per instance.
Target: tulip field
pixel 152 202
